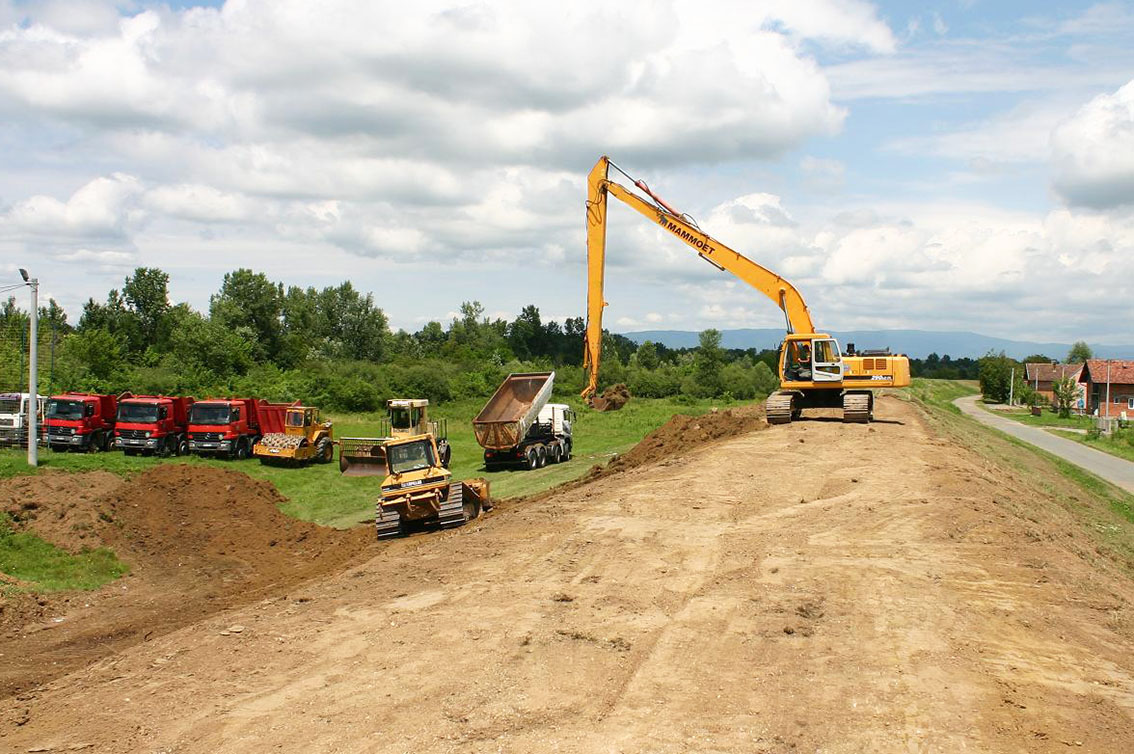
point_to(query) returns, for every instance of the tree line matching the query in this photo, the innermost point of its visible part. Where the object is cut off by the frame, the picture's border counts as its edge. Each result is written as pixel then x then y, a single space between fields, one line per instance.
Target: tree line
pixel 334 347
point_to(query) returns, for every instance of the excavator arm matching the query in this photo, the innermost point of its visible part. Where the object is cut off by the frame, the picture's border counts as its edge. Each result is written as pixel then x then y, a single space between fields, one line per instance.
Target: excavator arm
pixel 599 187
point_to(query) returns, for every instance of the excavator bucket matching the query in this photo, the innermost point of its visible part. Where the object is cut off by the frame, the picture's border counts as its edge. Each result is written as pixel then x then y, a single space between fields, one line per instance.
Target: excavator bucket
pixel 362 456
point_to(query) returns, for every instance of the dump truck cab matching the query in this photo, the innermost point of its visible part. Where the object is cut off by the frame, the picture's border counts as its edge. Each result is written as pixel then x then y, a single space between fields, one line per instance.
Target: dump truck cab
pixel 80 421
pixel 153 424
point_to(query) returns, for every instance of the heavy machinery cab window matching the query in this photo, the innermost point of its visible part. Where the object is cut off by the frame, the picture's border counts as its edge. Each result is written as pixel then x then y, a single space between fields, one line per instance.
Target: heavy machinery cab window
pixel 826 362
pixel 404 418
pixel 137 413
pixel 203 414
pixel 412 456
pixel 797 365
pixel 295 418
pixel 68 410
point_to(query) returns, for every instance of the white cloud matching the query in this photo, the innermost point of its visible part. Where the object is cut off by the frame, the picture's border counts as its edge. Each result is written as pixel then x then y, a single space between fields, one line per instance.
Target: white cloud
pixel 1094 152
pixel 101 208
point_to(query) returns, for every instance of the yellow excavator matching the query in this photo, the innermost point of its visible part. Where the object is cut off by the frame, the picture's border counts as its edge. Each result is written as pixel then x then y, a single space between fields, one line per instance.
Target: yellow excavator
pixel 813 372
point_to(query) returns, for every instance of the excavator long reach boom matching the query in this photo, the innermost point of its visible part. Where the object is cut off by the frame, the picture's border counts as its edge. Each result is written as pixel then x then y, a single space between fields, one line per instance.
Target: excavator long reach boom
pixel 813 371
pixel 599 187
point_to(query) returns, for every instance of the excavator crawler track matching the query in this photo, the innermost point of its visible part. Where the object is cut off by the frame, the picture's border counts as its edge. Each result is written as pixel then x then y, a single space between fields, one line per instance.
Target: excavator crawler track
pixel 780 408
pixel 388 523
pixel 858 407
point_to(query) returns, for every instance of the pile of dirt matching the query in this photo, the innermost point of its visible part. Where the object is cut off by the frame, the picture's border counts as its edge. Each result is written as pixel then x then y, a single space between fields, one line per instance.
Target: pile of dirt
pixel 197 540
pixel 681 434
pixel 612 399
pixel 58 507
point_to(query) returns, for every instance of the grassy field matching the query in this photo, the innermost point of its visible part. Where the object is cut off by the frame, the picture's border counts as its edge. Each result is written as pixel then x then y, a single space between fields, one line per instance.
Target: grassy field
pixel 1048 419
pixel 939 393
pixel 49 569
pixel 319 493
pixel 1120 444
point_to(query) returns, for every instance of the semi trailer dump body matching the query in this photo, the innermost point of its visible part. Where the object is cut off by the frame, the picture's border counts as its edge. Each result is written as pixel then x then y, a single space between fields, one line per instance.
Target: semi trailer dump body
pixel 519 427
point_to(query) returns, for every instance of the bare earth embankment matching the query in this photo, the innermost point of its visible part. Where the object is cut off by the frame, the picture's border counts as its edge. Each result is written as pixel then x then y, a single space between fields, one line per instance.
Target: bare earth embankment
pixel 816 587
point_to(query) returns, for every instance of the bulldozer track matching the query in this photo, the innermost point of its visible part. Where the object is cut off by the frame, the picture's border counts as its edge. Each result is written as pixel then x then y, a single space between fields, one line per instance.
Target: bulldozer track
pixel 387 523
pixel 452 513
pixel 857 407
pixel 779 408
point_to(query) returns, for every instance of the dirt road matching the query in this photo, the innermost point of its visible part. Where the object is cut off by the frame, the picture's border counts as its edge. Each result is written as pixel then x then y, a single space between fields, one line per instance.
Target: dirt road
pixel 1115 470
pixel 815 587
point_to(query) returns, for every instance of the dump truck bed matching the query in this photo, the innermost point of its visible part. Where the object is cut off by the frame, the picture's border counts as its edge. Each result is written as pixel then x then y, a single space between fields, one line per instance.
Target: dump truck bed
pixel 509 413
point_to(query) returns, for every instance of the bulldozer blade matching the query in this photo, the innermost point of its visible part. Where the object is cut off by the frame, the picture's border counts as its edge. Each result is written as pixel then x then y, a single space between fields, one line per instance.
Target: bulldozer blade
pixel 362 456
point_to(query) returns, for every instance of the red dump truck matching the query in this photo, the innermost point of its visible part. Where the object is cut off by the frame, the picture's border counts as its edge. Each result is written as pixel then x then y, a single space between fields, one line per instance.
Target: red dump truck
pixel 81 421
pixel 230 427
pixel 153 425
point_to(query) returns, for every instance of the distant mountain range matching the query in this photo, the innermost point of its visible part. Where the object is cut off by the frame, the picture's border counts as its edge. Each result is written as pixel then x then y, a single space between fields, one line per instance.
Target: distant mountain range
pixel 914 343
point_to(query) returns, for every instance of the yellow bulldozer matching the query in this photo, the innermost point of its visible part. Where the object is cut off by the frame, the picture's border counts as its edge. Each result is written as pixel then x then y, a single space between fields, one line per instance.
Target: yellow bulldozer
pixel 405 417
pixel 413 457
pixel 305 438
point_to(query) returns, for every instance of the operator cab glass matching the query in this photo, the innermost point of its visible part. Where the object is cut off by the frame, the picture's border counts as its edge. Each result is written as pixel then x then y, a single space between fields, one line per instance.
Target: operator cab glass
pixel 404 417
pixel 826 364
pixel 67 410
pixel 410 456
pixel 294 418
pixel 214 415
pixel 138 413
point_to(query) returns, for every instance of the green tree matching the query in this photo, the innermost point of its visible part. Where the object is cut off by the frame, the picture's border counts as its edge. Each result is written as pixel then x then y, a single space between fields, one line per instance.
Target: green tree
pixel 1038 358
pixel 1066 391
pixel 648 355
pixel 1079 352
pixel 249 299
pixel 996 376
pixel 146 293
pixel 708 363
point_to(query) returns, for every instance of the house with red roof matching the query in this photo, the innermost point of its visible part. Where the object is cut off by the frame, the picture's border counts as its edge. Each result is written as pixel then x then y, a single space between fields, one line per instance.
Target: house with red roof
pixel 1110 387
pixel 1043 376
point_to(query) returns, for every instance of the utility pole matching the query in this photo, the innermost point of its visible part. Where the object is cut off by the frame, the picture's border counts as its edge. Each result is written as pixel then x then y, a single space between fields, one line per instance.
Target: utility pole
pixel 1108 389
pixel 1012 387
pixel 33 376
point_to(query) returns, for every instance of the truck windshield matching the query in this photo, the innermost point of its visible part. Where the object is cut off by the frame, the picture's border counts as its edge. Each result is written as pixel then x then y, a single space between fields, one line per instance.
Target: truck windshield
pixel 138 413
pixel 11 405
pixel 69 410
pixel 413 456
pixel 203 413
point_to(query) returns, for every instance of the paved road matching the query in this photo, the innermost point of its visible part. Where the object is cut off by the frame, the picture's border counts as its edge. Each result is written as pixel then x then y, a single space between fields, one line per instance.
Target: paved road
pixel 1115 470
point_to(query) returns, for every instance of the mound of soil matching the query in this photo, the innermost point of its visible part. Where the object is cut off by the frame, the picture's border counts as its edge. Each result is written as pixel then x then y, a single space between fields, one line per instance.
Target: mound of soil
pixel 612 399
pixel 682 433
pixel 198 541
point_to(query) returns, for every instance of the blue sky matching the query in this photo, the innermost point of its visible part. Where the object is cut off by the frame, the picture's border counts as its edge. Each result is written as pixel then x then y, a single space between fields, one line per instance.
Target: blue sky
pixel 955 165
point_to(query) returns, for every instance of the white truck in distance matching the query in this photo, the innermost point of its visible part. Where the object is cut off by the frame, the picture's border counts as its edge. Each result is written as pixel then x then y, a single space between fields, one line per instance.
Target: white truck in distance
pixel 14 417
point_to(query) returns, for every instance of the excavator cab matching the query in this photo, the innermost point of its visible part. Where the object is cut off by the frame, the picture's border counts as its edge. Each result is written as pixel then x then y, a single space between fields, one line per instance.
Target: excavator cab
pixel 806 358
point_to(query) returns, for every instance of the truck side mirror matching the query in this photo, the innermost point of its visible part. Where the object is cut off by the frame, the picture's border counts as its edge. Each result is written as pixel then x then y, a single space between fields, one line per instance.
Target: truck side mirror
pixel 90 410
pixel 163 412
pixel 236 414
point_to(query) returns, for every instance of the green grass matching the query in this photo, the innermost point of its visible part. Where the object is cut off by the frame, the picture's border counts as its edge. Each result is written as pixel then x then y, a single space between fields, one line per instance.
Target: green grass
pixel 1047 419
pixel 1117 445
pixel 319 493
pixel 46 568
pixel 940 393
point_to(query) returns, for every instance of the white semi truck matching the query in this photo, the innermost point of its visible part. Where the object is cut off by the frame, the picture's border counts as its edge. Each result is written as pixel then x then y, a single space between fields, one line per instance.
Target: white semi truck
pixel 14 417
pixel 518 427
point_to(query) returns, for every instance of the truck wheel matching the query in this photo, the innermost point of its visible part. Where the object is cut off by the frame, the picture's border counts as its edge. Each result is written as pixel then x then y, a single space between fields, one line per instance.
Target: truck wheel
pixel 542 456
pixel 555 454
pixel 325 451
pixel 241 451
pixel 532 460
pixel 183 447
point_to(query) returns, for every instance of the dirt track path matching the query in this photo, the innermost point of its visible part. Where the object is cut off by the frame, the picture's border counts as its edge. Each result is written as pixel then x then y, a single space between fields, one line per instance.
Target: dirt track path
pixel 818 587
